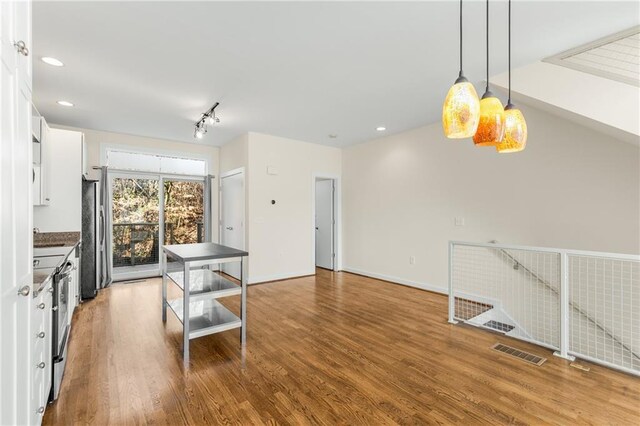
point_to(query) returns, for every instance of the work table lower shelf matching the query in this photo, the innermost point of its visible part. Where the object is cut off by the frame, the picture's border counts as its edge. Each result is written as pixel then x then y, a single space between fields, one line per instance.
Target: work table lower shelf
pixel 205 316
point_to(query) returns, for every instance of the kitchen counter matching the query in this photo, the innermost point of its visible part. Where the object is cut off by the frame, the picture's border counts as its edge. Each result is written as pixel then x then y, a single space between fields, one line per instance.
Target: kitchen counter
pixel 50 250
pixel 55 239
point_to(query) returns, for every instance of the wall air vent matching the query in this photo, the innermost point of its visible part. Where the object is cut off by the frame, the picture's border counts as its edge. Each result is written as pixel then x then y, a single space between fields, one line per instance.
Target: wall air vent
pixel 616 57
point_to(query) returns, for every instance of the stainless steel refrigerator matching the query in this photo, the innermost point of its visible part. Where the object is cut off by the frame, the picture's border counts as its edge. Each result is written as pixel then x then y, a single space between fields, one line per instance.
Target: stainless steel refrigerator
pixel 93 235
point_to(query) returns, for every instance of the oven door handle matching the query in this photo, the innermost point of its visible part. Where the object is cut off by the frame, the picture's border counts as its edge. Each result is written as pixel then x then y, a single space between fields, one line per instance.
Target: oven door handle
pixel 68 267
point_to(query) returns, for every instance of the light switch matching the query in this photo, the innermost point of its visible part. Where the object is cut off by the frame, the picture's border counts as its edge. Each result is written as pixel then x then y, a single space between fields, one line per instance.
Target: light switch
pixel 459 221
pixel 272 170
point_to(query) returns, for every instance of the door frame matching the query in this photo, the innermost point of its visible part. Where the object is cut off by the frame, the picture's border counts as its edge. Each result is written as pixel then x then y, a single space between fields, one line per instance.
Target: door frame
pixel 161 177
pixel 239 170
pixel 233 172
pixel 337 216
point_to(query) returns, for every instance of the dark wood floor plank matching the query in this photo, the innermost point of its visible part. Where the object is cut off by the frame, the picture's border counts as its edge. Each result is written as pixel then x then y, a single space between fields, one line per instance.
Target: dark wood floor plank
pixel 332 349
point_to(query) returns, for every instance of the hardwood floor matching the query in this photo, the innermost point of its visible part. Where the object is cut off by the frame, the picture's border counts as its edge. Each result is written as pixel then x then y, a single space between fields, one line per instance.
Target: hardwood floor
pixel 334 348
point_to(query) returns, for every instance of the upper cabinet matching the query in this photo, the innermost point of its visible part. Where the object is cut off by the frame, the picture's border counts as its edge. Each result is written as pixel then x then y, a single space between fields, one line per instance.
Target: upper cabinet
pixel 62 168
pixel 41 145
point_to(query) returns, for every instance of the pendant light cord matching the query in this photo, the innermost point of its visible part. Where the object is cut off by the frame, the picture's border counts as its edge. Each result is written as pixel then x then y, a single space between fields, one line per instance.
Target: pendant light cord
pixel 460 37
pixel 509 55
pixel 487 89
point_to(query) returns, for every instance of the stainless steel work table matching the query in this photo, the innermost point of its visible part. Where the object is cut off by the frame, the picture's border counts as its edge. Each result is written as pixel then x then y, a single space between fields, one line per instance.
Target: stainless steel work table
pixel 201 287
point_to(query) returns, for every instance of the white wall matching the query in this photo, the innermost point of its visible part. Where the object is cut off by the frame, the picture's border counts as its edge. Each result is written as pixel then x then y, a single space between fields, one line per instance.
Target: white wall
pixel 280 241
pixel 571 188
pixel 96 141
pixel 64 212
pixel 234 154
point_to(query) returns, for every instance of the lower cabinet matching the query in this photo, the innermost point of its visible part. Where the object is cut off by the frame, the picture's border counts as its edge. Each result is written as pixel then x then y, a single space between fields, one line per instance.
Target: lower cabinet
pixel 41 347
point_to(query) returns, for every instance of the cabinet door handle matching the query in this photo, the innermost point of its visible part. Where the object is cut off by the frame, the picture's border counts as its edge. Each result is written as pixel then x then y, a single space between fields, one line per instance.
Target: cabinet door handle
pixel 24 290
pixel 41 410
pixel 41 306
pixel 21 47
pixel 50 289
pixel 41 335
pixel 41 365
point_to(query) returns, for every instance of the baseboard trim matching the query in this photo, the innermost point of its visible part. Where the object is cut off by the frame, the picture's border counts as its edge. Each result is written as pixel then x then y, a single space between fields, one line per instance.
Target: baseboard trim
pixel 279 277
pixel 396 280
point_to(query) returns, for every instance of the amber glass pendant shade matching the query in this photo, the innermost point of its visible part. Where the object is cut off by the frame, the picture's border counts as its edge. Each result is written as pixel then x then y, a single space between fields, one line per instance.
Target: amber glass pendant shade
pixel 515 131
pixel 491 125
pixel 461 110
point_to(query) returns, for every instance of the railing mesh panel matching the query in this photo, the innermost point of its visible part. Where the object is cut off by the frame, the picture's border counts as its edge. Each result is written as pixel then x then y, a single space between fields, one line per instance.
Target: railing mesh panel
pixel 516 290
pixel 604 295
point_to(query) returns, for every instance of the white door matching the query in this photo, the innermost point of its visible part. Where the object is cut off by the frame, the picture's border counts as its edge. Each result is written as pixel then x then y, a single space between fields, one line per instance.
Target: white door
pixel 16 214
pixel 232 217
pixel 324 223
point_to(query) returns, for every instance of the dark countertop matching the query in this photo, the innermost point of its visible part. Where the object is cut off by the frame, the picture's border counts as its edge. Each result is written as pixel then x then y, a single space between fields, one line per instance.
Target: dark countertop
pixel 55 239
pixel 201 251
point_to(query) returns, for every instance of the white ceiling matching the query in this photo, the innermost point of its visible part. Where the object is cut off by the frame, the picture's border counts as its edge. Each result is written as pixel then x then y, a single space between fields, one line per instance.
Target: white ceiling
pixel 299 70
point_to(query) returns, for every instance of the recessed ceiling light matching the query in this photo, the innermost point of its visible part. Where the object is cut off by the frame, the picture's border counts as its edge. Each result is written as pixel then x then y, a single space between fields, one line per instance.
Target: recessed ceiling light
pixel 65 103
pixel 381 128
pixel 52 61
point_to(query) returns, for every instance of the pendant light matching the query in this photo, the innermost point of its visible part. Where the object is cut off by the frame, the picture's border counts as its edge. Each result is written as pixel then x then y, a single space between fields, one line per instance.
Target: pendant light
pixel 461 108
pixel 491 125
pixel 515 132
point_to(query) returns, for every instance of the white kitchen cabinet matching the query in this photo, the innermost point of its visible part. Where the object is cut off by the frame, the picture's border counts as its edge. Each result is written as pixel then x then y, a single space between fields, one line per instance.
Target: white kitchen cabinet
pixel 41 162
pixel 41 347
pixel 16 216
pixel 62 166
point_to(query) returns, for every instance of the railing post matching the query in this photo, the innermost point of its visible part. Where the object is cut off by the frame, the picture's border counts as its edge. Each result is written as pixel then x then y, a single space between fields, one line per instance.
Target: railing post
pixel 564 308
pixel 451 296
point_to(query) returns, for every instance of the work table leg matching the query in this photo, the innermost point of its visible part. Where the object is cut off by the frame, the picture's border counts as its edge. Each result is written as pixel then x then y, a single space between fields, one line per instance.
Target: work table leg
pixel 243 302
pixel 164 287
pixel 185 314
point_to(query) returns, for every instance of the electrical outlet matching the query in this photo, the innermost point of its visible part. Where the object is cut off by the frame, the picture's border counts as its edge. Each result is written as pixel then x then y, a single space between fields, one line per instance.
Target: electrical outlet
pixel 412 260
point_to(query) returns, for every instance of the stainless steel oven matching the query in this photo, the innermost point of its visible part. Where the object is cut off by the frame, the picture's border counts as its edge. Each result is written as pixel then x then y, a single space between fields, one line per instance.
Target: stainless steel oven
pixel 60 324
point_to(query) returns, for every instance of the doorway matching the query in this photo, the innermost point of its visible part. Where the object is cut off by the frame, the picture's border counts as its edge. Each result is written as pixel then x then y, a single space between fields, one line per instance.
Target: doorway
pixel 325 235
pixel 232 216
pixel 149 211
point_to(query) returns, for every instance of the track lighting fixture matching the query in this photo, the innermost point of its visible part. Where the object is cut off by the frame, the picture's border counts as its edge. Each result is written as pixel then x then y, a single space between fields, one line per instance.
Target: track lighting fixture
pixel 209 117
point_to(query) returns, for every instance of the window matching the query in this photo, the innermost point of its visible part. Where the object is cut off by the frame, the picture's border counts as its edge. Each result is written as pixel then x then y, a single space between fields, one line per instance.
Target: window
pixel 156 163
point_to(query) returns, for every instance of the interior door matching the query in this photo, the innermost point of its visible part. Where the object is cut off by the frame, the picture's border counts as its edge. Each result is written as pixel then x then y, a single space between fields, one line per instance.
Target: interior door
pixel 232 217
pixel 16 216
pixel 324 224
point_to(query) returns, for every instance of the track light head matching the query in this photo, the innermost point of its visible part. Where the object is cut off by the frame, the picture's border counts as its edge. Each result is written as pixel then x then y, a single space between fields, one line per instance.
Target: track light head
pixel 212 120
pixel 209 117
pixel 200 130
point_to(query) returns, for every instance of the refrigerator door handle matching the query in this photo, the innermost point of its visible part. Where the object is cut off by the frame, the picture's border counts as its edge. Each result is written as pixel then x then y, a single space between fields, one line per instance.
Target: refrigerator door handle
pixel 102 231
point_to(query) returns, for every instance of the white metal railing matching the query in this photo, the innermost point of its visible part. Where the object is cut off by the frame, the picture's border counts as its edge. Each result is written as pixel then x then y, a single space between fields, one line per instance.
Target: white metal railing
pixel 579 303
